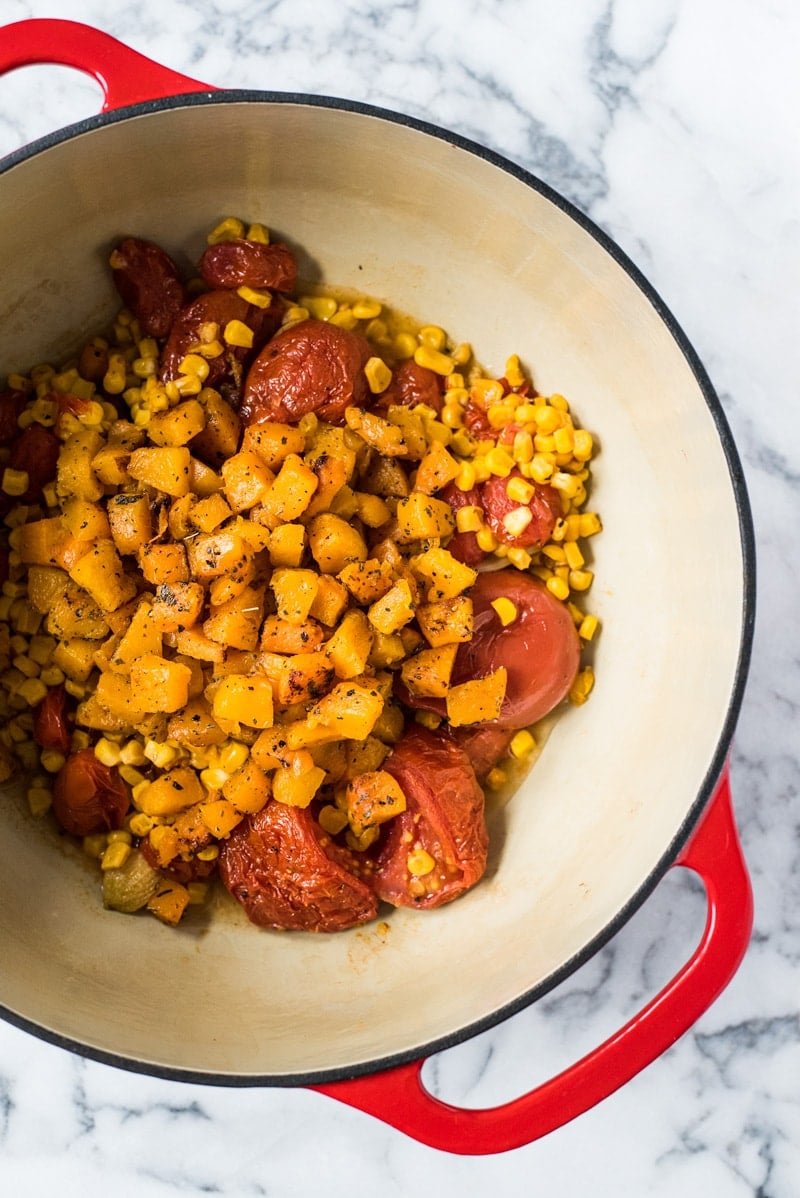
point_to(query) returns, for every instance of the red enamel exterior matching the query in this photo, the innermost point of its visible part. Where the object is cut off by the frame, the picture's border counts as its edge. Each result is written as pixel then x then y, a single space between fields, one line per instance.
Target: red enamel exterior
pixel 397 1096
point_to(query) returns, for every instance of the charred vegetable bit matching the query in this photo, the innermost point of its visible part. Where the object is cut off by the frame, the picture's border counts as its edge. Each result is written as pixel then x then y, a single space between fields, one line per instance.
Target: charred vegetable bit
pixel 285 582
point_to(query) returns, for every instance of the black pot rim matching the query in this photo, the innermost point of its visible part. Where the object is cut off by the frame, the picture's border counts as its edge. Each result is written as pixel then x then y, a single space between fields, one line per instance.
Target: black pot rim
pixel 716 765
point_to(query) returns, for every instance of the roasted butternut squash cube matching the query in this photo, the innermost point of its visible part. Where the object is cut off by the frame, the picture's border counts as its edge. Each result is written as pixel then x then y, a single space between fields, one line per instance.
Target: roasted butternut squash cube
pixel 273 442
pixel 75 657
pixel 244 699
pixel 477 701
pixel 45 583
pixel 372 510
pixel 101 573
pixel 290 493
pixel 74 613
pixel 445 575
pixel 179 425
pixel 169 901
pixel 203 479
pixel 246 480
pixel 436 470
pixel 142 638
pixel 220 817
pixel 165 468
pixel 446 622
pixel 214 554
pixel 281 636
pixel 173 791
pixel 363 756
pixel 421 517
pixel 178 606
pixel 287 545
pixel 331 601
pixel 207 514
pixel 296 790
pixel 163 564
pixel 248 789
pixel 159 684
pixel 116 694
pixel 334 543
pixel 394 609
pixel 350 646
pixel 86 520
pixel 49 542
pixel 428 672
pixel 131 521
pixel 236 623
pixel 220 437
pixel 349 711
pixel 75 472
pixel 193 642
pixel 295 592
pixel 367 581
pixel 195 724
pixel 373 798
pixel 297 678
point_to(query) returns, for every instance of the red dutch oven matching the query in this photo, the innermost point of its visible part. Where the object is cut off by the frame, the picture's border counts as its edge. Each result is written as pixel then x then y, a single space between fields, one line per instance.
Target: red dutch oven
pixel 631 784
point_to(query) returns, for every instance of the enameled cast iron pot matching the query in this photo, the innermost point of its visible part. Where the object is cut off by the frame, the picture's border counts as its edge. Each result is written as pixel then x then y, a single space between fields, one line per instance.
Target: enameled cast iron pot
pixel 627 786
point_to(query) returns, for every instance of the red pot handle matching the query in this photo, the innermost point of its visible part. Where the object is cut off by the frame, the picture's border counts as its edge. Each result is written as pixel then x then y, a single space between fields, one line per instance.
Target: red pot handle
pixel 125 76
pixel 398 1097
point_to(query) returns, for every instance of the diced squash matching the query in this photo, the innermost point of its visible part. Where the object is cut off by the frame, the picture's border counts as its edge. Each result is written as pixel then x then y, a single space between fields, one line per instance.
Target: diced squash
pixel 394 609
pixel 131 521
pixel 446 622
pixel 171 792
pixel 236 623
pixel 373 798
pixel 281 636
pixel 296 790
pixel 110 463
pixel 246 480
pixel 287 545
pixel 386 650
pixel 349 711
pixel 214 554
pixel 421 517
pixel 50 543
pixel 477 701
pixel 179 520
pixel 115 693
pixel 372 510
pixel 333 461
pixel 428 672
pixel 244 699
pixel 221 590
pixel 160 684
pixel 334 543
pixel 207 514
pixel 368 580
pixel 85 519
pixel 45 583
pixel 220 817
pixel 163 564
pixel 446 576
pixel 203 479
pixel 331 601
pixel 297 678
pixel 101 573
pixel 178 425
pixel 75 657
pixel 364 756
pixel 165 468
pixel 141 638
pixel 350 646
pixel 220 437
pixel 169 901
pixel 387 439
pixel 177 607
pixel 290 493
pixel 295 592
pixel 386 477
pixel 75 473
pixel 195 725
pixel 271 749
pixel 436 470
pixel 273 442
pixel 193 642
pixel 73 613
pixel 248 789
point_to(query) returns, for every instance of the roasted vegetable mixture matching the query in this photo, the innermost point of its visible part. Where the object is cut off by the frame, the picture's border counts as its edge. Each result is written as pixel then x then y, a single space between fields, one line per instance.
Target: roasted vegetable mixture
pixel 285 583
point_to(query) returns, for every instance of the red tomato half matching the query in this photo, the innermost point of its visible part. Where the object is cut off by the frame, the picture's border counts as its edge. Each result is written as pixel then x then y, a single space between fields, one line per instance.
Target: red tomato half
pixel 36 452
pixel 444 817
pixel 50 727
pixel 286 873
pixel 89 796
pixel 149 282
pixel 544 507
pixel 463 545
pixel 412 384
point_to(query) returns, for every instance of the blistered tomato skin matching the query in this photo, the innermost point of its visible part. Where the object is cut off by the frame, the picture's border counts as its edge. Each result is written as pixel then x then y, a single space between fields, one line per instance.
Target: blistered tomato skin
pixel 312 366
pixel 50 726
pixel 11 407
pixel 444 818
pixel 484 744
pixel 89 796
pixel 287 874
pixel 412 384
pixel 36 452
pixel 218 307
pixel 243 263
pixel 545 509
pixel 149 284
pixel 540 649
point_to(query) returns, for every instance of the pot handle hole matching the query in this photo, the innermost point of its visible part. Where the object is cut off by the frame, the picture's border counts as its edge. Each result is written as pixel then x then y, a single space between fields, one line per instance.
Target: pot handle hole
pixel 125 76
pixel 397 1096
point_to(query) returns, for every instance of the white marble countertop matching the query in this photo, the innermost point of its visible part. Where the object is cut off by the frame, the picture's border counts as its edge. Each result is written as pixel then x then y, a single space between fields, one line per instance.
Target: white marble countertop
pixel 672 123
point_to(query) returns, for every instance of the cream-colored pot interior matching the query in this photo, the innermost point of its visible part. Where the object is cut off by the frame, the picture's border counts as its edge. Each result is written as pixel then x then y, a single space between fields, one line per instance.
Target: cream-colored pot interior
pixel 448 236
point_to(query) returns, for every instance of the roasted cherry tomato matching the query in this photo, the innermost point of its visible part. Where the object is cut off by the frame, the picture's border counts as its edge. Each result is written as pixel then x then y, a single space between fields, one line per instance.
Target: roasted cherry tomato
pixel 181 869
pixel 463 545
pixel 50 727
pixel 308 367
pixel 287 873
pixel 219 308
pixel 243 263
pixel 36 452
pixel 412 384
pixel 544 507
pixel 484 744
pixel 436 849
pixel 11 406
pixel 149 283
pixel 89 796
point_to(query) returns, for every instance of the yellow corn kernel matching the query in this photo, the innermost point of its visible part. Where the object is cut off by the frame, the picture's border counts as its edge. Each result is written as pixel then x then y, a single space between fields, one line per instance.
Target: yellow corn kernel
pixel 332 820
pixel 258 232
pixel 119 835
pixel 496 778
pixel 486 540
pixel 107 752
pixel 140 824
pixel 583 445
pixel 230 229
pixel 95 845
pixel 40 799
pixel 194 364
pixel 115 376
pixel 499 461
pixel 209 349
pixel 541 468
pixel 18 383
pixel 404 345
pixel 462 353
pixel 367 309
pixel 428 719
pixel 232 756
pixel 214 779
pixel 144 368
pixel 582 686
pixel 505 609
pixel 513 371
pixel 25 666
pixel 588 627
pixel 452 415
pixel 469 519
pixel 573 556
pixel 580 580
pixel 208 854
pixel 589 523
pixel 555 553
pixel 433 359
pixel 51 760
pixel 564 441
pixel 516 555
pixel 522 448
pixel 419 863
pixel 520 490
pixel 557 587
pixel 198 891
pixel 115 855
pixel 260 299
pixel 15 482
pixel 499 414
pixel 522 744
pixel 516 521
pixel 378 375
pixel 566 484
pixel 558 402
pixel 236 332
pixel 132 753
pixel 131 775
pixel 162 755
pixel 33 691
pixel 431 335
